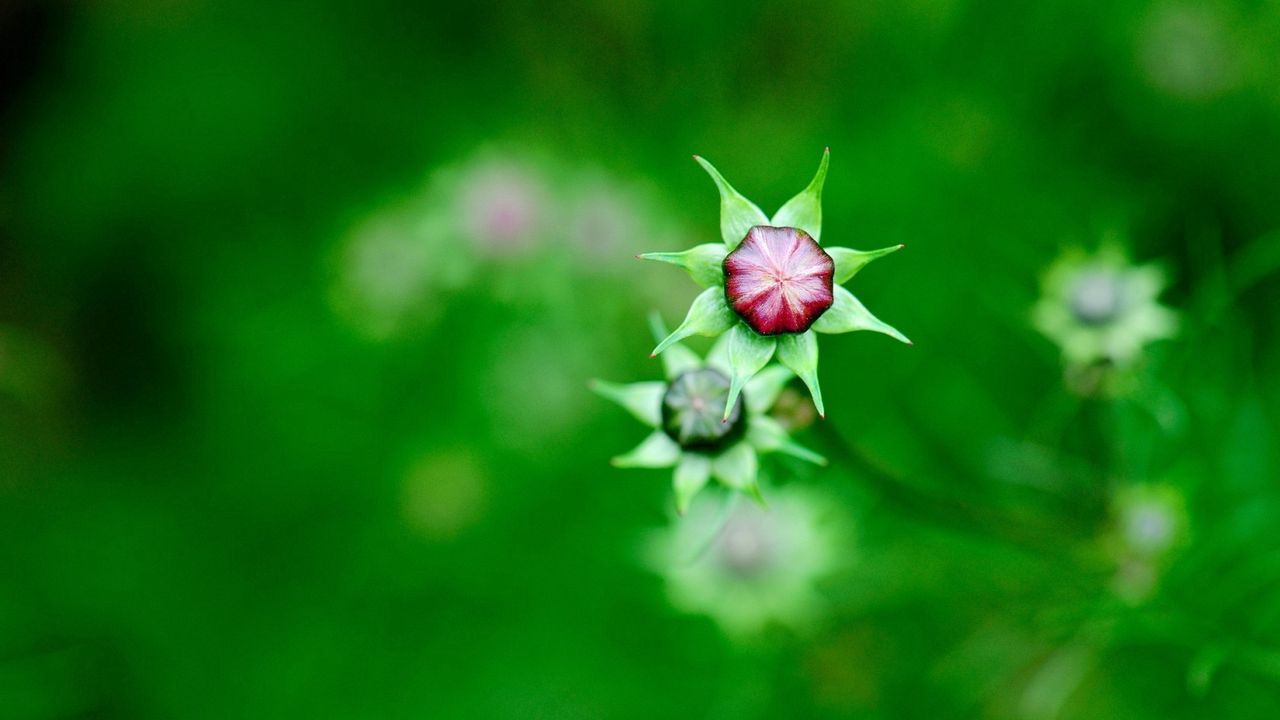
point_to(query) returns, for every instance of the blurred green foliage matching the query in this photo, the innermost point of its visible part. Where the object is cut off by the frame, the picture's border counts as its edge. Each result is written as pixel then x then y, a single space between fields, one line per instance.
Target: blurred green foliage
pixel 224 495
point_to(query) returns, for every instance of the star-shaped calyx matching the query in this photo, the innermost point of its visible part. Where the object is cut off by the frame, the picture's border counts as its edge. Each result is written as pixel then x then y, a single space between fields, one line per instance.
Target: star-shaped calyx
pixel 688 432
pixel 771 286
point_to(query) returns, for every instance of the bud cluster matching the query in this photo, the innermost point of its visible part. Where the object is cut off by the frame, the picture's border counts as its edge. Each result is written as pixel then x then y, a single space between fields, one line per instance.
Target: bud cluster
pixel 769 287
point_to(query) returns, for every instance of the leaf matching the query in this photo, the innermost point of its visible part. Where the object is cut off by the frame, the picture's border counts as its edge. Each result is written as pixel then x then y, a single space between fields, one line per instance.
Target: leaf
pixel 691 476
pixel 737 214
pixel 747 353
pixel 676 359
pixel 655 451
pixel 799 354
pixel 849 261
pixel 709 315
pixel 768 436
pixel 804 211
pixel 643 399
pixel 847 314
pixel 704 263
pixel 738 468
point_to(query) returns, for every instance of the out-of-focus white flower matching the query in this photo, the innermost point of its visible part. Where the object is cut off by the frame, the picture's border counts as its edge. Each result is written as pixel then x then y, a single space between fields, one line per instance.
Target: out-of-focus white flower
pixel 1151 519
pixel 1101 309
pixel 397 268
pixel 1149 523
pixel 746 566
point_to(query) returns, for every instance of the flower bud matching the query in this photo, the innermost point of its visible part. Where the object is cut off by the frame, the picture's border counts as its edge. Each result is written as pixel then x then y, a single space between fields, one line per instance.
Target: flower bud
pixel 692 408
pixel 778 280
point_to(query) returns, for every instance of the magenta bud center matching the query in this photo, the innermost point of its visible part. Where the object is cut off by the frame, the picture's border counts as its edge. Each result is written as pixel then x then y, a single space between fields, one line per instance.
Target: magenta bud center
pixel 778 280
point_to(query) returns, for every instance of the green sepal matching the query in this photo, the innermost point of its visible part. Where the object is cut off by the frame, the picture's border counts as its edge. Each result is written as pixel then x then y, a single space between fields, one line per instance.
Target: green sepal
pixel 737 214
pixel 704 263
pixel 655 451
pixel 691 476
pixel 747 352
pixel 804 211
pixel 847 314
pixel 767 435
pixel 709 315
pixel 643 399
pixel 849 261
pixel 1146 282
pixel 738 468
pixel 799 354
pixel 762 390
pixel 676 359
pixel 718 355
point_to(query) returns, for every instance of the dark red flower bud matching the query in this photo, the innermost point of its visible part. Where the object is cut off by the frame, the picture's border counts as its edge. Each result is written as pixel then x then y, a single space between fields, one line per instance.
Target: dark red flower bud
pixel 778 280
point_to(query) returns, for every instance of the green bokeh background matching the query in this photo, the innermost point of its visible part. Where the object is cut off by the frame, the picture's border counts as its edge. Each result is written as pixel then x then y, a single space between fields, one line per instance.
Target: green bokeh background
pixel 206 472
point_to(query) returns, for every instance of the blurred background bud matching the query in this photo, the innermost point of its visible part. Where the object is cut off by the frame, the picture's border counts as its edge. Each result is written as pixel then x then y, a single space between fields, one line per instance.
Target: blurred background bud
pixel 395 270
pixel 794 410
pixel 749 567
pixel 1102 311
pixel 1149 523
pixel 503 205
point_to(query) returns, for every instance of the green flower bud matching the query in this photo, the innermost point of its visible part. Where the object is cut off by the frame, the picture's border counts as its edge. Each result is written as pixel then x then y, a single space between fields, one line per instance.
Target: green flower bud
pixel 691 411
pixel 692 430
